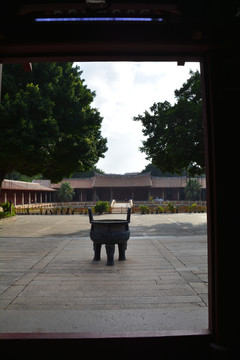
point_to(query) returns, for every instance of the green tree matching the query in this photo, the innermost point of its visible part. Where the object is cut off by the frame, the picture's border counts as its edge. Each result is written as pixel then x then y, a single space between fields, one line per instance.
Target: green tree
pixel 87 174
pixel 47 124
pixel 66 192
pixel 192 190
pixel 175 132
pixel 155 171
pixel 14 175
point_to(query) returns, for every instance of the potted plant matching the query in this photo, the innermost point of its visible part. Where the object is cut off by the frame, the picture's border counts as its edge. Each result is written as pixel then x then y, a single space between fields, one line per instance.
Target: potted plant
pixel 160 209
pixel 101 207
pixel 171 207
pixel 144 209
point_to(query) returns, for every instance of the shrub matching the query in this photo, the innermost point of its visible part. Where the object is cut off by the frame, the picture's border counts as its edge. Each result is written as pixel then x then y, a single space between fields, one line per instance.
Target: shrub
pixel 160 209
pixel 101 207
pixel 6 206
pixel 144 209
pixel 192 208
pixel 6 210
pixel 171 207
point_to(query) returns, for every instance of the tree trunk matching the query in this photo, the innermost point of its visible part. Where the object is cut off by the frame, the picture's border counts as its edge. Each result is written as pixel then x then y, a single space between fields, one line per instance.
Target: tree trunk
pixel 3 174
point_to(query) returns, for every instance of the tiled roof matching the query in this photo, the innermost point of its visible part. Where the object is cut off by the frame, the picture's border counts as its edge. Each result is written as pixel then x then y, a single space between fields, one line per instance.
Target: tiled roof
pixel 174 182
pixel 130 180
pixel 46 183
pixel 23 185
pixel 139 180
pixel 81 183
pixel 168 182
pixel 108 180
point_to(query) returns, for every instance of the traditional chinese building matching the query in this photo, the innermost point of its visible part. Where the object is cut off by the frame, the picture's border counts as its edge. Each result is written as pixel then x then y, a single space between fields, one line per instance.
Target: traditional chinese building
pixel 21 192
pixel 138 187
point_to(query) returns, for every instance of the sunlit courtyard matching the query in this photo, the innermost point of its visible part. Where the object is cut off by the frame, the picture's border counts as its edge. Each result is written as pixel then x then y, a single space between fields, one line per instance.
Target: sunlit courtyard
pixel 49 282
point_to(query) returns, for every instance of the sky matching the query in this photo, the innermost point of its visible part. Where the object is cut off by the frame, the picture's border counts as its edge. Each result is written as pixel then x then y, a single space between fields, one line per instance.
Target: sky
pixel 124 90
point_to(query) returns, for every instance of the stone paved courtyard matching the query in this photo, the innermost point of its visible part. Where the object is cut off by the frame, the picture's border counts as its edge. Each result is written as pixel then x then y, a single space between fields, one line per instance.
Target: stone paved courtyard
pixel 49 282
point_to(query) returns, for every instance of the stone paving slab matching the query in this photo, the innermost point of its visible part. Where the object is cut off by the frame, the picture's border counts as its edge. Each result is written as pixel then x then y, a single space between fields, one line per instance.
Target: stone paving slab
pixel 50 283
pixel 104 321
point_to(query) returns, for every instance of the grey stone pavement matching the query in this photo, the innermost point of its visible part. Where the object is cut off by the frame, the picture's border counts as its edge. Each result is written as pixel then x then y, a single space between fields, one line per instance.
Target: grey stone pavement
pixel 49 282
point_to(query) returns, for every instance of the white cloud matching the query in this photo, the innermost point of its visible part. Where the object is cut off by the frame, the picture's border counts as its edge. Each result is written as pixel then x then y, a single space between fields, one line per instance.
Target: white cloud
pixel 124 90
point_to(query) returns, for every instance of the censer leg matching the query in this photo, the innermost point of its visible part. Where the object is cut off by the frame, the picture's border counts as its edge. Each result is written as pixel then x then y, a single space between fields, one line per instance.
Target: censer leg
pixel 121 250
pixel 97 252
pixel 110 249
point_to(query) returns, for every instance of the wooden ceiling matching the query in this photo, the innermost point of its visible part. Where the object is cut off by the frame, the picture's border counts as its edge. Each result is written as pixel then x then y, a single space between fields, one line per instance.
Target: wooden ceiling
pixel 187 30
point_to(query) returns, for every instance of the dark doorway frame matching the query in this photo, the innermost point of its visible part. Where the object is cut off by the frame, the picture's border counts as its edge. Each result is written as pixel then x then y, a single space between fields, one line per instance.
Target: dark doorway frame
pixel 219 58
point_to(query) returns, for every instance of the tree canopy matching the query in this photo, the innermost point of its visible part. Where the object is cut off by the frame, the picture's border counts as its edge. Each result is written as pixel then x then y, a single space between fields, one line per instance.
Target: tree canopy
pixel 155 171
pixel 87 174
pixel 47 124
pixel 174 133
